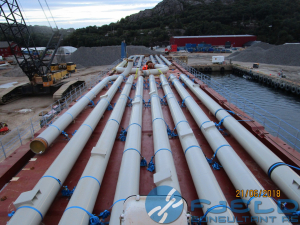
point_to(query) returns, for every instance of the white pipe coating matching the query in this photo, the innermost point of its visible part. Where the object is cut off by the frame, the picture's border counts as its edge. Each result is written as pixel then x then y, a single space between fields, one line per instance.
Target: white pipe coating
pixel 33 205
pixel 160 68
pixel 285 178
pixel 87 189
pixel 159 60
pixel 164 163
pixel 166 61
pixel 152 59
pixel 129 175
pixel 139 65
pixel 46 138
pixel 204 180
pixel 239 174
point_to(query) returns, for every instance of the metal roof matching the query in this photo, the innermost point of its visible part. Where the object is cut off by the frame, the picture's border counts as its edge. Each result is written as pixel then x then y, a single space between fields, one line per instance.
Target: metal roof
pixel 3 44
pixel 214 36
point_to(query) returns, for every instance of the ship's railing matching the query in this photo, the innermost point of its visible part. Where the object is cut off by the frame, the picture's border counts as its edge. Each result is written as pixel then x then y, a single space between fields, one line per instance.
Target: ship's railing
pixel 24 132
pixel 273 124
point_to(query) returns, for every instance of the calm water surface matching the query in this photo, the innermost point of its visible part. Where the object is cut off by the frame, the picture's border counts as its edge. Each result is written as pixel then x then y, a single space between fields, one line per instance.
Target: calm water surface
pixel 278 103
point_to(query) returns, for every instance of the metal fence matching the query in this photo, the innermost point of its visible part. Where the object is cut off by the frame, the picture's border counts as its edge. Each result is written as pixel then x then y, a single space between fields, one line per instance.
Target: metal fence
pixel 273 124
pixel 24 132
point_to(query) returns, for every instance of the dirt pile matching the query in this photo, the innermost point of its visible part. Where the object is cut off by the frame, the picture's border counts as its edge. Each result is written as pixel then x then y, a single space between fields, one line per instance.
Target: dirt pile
pixel 15 72
pixel 261 52
pixel 98 56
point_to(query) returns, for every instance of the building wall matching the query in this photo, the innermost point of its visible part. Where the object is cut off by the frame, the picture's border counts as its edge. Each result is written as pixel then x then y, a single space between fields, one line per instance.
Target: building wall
pixel 5 52
pixel 215 41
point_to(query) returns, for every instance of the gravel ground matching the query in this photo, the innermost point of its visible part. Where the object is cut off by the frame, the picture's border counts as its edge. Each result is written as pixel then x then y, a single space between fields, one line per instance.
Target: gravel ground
pixel 261 52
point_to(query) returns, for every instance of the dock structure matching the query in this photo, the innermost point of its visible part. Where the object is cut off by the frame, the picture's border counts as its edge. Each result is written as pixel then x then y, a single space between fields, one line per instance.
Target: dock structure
pixel 273 81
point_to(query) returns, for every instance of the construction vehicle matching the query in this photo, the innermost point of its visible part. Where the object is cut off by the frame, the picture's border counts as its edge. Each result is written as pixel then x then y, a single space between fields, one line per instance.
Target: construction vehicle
pixel 3 128
pixel 45 76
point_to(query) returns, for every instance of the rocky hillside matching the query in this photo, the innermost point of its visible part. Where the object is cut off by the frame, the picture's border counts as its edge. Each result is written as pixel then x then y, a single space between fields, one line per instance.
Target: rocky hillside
pixel 273 21
pixel 169 7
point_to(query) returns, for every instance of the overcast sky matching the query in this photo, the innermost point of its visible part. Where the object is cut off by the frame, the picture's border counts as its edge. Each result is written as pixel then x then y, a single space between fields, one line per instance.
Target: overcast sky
pixel 81 13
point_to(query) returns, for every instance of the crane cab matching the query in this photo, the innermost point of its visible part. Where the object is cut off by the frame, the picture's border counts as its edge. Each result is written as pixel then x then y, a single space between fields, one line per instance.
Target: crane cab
pixel 47 80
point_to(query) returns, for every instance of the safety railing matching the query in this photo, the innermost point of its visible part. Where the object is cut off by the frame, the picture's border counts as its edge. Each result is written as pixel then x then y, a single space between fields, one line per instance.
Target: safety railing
pixel 24 132
pixel 273 124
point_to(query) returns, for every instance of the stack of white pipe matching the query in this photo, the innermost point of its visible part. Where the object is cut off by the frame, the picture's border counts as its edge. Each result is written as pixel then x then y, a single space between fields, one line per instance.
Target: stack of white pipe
pixel 87 189
pixel 129 175
pixel 164 163
pixel 237 171
pixel 32 205
pixel 204 180
pixel 46 138
pixel 285 178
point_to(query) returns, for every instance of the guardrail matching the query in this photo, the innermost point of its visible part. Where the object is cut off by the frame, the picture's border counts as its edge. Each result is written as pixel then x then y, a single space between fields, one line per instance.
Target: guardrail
pixel 273 124
pixel 24 132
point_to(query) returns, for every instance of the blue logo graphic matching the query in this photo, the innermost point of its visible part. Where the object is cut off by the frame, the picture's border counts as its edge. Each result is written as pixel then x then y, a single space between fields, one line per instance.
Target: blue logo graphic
pixel 164 204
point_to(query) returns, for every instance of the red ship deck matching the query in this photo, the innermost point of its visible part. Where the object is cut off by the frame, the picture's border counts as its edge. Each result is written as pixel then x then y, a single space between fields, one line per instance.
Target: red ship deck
pixel 29 172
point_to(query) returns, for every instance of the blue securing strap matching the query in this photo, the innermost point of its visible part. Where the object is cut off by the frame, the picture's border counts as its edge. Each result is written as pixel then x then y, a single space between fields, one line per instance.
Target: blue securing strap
pixel 280 164
pixel 105 100
pixel 218 111
pixel 138 96
pixel 250 199
pixel 210 209
pixel 134 124
pixel 123 199
pixel 193 146
pixel 53 178
pixel 132 149
pixel 70 115
pixel 88 98
pixel 88 126
pixel 180 122
pixel 114 120
pixel 187 97
pixel 158 119
pixel 93 92
pixel 124 95
pixel 55 127
pixel 163 149
pixel 78 207
pixel 218 150
pixel 204 123
pixel 92 178
pixel 30 207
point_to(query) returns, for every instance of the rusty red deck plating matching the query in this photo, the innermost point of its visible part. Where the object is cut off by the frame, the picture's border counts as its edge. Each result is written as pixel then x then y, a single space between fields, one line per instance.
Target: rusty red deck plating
pixel 29 172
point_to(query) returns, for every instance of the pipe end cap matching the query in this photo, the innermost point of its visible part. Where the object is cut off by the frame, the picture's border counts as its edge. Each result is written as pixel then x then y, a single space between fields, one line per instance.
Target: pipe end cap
pixel 38 145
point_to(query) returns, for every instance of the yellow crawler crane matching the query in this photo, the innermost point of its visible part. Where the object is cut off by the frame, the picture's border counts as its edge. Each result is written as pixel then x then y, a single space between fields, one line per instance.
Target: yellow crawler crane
pixel 45 77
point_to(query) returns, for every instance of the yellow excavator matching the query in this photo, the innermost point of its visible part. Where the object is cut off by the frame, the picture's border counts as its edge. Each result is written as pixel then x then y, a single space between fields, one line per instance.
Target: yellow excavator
pixel 45 76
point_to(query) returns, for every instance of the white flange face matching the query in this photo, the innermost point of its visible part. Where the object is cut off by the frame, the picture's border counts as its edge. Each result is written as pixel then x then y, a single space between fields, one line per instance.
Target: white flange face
pixel 134 213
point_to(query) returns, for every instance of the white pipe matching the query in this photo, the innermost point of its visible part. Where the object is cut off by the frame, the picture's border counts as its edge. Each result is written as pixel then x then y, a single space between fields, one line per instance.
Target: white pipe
pixel 285 178
pixel 166 61
pixel 152 59
pixel 204 180
pixel 87 189
pixel 46 138
pixel 159 60
pixel 129 175
pixel 164 163
pixel 34 204
pixel 160 68
pixel 139 65
pixel 237 171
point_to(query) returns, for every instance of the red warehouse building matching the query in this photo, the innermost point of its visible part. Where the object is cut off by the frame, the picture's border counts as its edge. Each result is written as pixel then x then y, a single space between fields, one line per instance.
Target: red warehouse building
pixel 6 49
pixel 214 40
